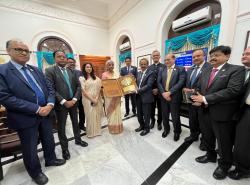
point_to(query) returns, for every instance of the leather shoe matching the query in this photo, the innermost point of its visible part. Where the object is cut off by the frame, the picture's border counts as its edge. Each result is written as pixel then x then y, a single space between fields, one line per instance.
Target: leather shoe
pixel 237 175
pixel 81 143
pixel 56 162
pixel 151 126
pixel 165 133
pixel 125 115
pixel 159 127
pixel 205 159
pixel 191 138
pixel 219 173
pixel 41 179
pixel 66 154
pixel 144 132
pixel 139 129
pixel 176 136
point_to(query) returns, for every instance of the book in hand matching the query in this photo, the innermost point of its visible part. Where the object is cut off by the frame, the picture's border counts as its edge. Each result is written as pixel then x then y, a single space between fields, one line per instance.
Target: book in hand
pixel 119 87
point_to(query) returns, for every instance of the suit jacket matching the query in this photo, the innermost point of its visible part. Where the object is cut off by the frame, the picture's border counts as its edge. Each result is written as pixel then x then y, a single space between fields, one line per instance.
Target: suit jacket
pixel 145 90
pixel 223 94
pixel 155 69
pixel 18 97
pixel 56 77
pixel 132 70
pixel 176 84
pixel 189 73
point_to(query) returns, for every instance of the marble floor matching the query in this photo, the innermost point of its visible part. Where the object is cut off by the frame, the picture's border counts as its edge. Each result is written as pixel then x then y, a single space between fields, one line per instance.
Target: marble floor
pixel 124 159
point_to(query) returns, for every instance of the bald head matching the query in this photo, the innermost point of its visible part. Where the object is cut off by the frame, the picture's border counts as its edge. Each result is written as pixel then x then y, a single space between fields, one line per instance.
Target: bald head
pixel 169 59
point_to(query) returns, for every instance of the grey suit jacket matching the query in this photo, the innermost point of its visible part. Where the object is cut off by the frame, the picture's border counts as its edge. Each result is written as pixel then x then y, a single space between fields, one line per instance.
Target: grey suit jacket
pixel 223 94
pixel 176 84
pixel 55 76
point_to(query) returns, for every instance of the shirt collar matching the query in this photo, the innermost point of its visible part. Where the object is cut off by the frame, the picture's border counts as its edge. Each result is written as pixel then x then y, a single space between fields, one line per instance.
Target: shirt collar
pixel 200 66
pixel 220 66
pixel 18 66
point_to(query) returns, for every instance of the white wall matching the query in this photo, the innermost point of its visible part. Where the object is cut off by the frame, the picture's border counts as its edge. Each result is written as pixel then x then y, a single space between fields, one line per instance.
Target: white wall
pixel 30 27
pixel 148 22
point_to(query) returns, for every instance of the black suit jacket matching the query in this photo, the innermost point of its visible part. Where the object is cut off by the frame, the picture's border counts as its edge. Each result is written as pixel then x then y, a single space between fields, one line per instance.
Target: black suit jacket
pixel 132 70
pixel 223 94
pixel 55 75
pixel 176 84
pixel 145 90
pixel 155 69
pixel 189 73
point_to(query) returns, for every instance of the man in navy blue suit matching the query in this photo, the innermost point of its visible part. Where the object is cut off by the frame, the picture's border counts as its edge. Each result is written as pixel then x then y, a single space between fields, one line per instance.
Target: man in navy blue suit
pixel 29 100
pixel 129 70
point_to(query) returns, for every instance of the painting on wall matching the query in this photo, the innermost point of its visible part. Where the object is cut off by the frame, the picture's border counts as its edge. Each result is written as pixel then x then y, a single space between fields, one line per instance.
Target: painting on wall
pixel 4 58
pixel 147 56
pixel 247 43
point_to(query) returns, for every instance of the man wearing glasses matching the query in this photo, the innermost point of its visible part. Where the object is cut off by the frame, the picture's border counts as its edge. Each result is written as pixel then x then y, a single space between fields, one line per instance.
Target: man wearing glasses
pixel 29 100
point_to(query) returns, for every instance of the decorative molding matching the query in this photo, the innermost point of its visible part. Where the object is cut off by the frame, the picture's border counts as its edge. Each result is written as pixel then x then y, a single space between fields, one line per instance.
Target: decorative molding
pixel 243 14
pixel 51 12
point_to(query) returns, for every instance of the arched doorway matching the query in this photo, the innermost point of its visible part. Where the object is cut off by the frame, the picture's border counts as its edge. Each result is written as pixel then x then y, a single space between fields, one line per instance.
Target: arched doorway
pixel 123 50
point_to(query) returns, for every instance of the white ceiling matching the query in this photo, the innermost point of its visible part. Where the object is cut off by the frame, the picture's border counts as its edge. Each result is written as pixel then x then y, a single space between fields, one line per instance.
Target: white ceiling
pixel 103 9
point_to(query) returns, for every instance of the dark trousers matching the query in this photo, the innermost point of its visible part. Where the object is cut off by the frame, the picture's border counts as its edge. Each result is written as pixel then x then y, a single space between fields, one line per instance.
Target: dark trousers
pixel 193 120
pixel 29 141
pixel 81 113
pixel 143 112
pixel 61 118
pixel 157 102
pixel 174 109
pixel 133 102
pixel 242 140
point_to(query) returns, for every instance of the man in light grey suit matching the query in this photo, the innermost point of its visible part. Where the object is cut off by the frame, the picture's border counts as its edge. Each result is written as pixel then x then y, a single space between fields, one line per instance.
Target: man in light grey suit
pixel 219 88
pixel 68 91
pixel 171 80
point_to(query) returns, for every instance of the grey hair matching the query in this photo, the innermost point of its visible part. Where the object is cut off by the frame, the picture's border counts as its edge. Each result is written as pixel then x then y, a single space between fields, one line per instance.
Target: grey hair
pixel 9 42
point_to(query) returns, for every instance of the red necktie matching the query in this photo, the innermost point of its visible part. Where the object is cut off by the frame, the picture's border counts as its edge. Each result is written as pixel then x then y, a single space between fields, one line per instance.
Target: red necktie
pixel 211 78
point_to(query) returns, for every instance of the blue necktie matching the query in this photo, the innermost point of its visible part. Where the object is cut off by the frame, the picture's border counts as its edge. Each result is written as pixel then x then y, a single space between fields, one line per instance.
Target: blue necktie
pixel 39 94
pixel 193 77
pixel 66 77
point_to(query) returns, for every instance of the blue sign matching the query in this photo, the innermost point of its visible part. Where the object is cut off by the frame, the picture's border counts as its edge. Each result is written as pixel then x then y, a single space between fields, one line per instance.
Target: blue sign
pixel 185 58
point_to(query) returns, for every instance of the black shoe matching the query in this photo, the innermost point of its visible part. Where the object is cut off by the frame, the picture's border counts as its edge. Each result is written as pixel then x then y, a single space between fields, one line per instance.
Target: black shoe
pixel 139 129
pixel 205 159
pixel 144 132
pixel 41 179
pixel 237 175
pixel 81 143
pixel 66 154
pixel 151 126
pixel 176 136
pixel 83 128
pixel 191 138
pixel 165 133
pixel 159 127
pixel 125 115
pixel 219 173
pixel 56 162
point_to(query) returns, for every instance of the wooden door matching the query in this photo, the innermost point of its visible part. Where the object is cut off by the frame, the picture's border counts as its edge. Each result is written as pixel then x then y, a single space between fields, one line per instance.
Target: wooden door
pixel 98 63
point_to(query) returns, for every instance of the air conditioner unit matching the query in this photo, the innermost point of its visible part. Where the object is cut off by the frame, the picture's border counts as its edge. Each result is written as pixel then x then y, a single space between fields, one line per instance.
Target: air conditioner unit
pixel 125 46
pixel 195 18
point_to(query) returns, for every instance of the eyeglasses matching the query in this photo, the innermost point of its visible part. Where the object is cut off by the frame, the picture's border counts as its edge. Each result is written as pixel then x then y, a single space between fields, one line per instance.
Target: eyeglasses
pixel 21 51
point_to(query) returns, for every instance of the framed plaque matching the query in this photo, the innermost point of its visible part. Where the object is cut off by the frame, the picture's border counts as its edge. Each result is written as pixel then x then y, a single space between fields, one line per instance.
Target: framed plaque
pixel 119 87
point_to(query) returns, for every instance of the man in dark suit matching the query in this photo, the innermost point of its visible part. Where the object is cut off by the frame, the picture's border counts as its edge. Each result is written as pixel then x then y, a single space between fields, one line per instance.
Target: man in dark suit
pixel 155 67
pixel 72 66
pixel 218 89
pixel 144 96
pixel 242 138
pixel 29 100
pixel 129 70
pixel 68 91
pixel 171 80
pixel 193 74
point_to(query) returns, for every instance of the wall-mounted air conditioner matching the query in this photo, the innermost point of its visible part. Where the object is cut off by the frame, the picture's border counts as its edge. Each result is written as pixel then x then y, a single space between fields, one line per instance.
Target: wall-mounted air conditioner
pixel 125 46
pixel 195 18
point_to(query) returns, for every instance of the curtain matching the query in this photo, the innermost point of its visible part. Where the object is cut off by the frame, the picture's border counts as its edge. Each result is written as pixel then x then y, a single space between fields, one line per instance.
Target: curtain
pixel 207 37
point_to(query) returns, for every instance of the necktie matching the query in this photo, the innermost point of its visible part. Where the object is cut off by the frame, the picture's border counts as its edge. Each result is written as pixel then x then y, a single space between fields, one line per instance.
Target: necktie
pixel 142 75
pixel 128 69
pixel 194 75
pixel 247 75
pixel 168 78
pixel 39 94
pixel 211 78
pixel 66 77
